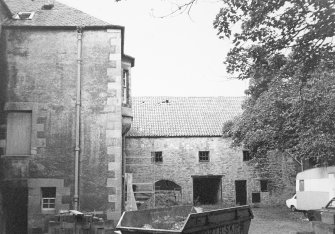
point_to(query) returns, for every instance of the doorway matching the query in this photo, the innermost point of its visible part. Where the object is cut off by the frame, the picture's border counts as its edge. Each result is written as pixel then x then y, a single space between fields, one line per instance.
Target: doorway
pixel 207 190
pixel 15 210
pixel 241 192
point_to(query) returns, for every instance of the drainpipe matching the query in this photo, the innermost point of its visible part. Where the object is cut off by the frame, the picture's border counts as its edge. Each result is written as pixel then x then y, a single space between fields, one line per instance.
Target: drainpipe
pixel 78 105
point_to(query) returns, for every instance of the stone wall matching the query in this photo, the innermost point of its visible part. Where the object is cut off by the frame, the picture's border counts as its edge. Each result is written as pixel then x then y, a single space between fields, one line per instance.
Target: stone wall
pixel 40 73
pixel 180 163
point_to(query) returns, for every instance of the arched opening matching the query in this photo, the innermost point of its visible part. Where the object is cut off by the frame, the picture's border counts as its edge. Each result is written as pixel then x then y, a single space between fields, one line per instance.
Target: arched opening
pixel 168 189
pixel 167 185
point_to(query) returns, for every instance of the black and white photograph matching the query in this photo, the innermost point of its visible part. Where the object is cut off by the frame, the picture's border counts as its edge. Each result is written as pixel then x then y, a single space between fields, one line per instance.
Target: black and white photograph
pixel 167 116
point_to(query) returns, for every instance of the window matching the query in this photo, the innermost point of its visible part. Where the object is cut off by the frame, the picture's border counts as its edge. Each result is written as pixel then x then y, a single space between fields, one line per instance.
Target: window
pixel 264 185
pixel 24 16
pixel 157 156
pixel 203 156
pixel 48 198
pixel 125 87
pixel 18 140
pixel 301 185
pixel 246 155
pixel 256 197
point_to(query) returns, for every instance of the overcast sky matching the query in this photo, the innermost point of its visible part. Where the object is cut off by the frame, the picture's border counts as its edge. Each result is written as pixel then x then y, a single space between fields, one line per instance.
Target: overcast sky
pixel 174 56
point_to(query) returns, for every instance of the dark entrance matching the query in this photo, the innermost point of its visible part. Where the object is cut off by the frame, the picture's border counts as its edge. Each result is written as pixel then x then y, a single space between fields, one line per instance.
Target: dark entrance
pixel 15 196
pixel 241 192
pixel 206 189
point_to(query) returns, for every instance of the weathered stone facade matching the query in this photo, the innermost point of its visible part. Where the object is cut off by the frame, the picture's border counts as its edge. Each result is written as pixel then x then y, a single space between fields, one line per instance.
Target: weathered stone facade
pixel 38 76
pixel 181 164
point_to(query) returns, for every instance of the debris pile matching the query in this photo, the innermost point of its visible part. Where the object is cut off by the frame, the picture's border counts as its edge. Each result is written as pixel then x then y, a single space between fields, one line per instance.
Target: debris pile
pixel 161 200
pixel 167 222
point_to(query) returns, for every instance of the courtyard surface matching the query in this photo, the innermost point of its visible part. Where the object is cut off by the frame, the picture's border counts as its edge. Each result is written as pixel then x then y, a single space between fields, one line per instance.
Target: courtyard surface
pixel 278 220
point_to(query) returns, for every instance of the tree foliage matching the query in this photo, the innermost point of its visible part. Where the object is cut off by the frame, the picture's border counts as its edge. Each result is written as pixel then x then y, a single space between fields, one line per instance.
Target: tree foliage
pixel 286 48
pixel 291 118
pixel 269 29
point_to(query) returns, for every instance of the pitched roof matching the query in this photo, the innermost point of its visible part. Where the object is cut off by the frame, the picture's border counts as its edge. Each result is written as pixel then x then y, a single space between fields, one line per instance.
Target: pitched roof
pixel 59 15
pixel 182 116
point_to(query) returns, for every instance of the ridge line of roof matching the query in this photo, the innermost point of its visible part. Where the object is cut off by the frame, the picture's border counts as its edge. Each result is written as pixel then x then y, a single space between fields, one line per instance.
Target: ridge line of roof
pixel 189 97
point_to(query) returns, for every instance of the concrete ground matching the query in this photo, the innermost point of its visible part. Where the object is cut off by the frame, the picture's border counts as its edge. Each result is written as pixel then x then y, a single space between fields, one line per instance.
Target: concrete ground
pixel 278 220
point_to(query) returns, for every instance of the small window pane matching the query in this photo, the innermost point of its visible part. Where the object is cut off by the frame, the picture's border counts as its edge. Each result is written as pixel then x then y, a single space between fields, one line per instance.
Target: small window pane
pixel 203 156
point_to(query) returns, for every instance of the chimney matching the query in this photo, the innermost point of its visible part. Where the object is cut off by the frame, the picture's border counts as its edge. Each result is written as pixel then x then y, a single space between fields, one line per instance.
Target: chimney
pixel 48 5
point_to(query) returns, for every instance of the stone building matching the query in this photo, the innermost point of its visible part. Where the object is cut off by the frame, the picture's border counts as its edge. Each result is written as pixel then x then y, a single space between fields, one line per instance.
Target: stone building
pixel 177 143
pixel 64 94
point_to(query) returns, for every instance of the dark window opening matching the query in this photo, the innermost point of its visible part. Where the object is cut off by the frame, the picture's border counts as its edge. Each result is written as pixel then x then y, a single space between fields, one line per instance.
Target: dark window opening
pixel 48 198
pixel 246 155
pixel 256 197
pixel 203 156
pixel 157 156
pixel 264 185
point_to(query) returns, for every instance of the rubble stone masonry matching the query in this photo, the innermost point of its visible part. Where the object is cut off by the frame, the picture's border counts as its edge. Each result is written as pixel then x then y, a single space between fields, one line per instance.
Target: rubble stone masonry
pixel 181 162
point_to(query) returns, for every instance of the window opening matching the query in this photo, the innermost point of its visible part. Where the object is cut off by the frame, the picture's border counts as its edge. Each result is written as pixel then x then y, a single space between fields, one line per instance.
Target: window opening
pixel 264 185
pixel 18 139
pixel 203 156
pixel 256 197
pixel 157 156
pixel 246 155
pixel 125 87
pixel 24 15
pixel 48 198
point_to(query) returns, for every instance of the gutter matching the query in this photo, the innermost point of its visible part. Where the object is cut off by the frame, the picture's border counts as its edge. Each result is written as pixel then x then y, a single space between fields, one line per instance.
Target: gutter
pixel 78 117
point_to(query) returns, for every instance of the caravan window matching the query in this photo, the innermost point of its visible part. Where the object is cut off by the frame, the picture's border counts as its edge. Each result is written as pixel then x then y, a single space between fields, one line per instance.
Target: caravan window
pixel 301 185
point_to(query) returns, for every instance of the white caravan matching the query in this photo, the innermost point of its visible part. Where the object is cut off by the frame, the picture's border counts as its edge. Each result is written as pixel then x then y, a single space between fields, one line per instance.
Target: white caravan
pixel 315 187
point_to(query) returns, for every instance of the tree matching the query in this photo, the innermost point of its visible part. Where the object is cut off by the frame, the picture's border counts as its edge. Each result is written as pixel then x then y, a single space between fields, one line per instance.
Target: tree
pixel 290 118
pixel 286 49
pixel 303 28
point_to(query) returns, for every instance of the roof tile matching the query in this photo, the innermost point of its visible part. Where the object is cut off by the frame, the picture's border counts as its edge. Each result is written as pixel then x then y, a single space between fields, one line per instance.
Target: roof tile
pixel 59 15
pixel 182 116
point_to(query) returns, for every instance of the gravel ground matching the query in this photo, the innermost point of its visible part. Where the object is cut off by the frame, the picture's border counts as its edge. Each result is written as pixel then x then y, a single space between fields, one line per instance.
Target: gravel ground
pixel 278 220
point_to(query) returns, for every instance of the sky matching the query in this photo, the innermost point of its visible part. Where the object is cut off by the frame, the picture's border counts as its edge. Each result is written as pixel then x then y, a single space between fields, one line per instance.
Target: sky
pixel 179 55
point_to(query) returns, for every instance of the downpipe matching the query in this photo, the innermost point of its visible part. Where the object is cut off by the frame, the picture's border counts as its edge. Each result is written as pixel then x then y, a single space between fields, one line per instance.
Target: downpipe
pixel 78 118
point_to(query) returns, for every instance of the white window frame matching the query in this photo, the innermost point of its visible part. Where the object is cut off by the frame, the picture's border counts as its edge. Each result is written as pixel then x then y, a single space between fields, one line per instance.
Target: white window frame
pixel 48 201
pixel 125 86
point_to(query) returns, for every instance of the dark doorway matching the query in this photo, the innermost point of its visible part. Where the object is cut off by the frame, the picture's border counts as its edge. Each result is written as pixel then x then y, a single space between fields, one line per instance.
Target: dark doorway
pixel 206 189
pixel 241 192
pixel 15 208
